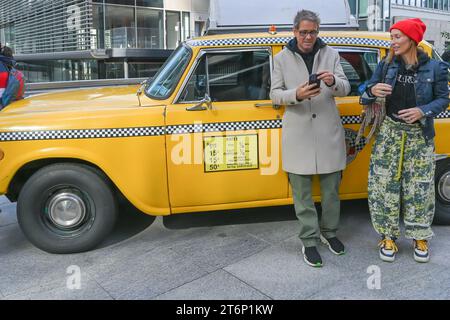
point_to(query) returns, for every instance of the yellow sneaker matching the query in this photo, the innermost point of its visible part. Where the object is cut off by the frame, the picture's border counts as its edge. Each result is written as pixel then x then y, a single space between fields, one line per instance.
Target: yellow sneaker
pixel 388 249
pixel 421 252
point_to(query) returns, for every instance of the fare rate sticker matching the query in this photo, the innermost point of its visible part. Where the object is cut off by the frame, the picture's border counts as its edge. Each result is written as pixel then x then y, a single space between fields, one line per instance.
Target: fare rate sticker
pixel 224 153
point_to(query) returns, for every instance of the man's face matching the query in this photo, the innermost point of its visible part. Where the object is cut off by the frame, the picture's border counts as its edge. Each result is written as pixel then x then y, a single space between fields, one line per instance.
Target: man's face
pixel 306 35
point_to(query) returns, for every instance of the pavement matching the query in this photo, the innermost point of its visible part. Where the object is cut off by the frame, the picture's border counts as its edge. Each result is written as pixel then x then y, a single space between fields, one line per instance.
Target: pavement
pixel 251 254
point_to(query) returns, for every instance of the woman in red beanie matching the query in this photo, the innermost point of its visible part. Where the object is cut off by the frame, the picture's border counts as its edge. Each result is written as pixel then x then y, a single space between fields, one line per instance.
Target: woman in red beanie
pixel 401 171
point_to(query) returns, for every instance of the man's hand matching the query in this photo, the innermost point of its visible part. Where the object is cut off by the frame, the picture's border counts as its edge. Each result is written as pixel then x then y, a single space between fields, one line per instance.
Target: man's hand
pixel 327 77
pixel 306 91
pixel 381 90
pixel 410 115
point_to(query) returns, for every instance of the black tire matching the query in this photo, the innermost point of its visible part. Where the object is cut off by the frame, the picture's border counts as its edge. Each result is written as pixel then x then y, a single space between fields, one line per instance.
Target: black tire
pixel 94 200
pixel 442 212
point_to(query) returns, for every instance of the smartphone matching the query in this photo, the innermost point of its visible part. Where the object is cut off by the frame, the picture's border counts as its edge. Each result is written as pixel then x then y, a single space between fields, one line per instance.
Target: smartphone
pixel 313 80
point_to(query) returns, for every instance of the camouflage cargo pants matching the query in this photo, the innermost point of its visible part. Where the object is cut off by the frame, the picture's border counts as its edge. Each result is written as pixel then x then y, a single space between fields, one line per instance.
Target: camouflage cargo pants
pixel 401 179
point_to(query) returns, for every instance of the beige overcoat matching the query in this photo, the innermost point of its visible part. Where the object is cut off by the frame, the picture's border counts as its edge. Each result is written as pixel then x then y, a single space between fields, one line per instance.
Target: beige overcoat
pixel 313 139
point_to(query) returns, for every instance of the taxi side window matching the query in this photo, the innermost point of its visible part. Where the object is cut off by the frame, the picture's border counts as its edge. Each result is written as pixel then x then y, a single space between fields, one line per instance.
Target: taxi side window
pixel 230 76
pixel 358 67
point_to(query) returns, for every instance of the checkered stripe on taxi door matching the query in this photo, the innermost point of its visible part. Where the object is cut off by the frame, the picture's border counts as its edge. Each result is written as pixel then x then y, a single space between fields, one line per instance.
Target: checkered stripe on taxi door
pixel 159 131
pixel 81 134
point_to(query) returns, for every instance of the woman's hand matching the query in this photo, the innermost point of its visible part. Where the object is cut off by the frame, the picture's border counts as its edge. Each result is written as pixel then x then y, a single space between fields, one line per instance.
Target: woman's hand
pixel 381 90
pixel 410 115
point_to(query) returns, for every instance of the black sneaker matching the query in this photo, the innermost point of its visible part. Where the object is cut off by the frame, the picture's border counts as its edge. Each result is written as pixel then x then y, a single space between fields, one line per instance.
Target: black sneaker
pixel 334 244
pixel 312 257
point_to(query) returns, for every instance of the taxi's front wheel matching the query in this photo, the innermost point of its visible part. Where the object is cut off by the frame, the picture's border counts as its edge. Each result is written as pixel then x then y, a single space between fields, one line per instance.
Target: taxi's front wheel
pixel 66 208
pixel 442 183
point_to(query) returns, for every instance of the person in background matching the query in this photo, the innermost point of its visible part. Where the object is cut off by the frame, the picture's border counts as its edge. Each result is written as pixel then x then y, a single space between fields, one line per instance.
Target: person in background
pixel 446 57
pixel 6 62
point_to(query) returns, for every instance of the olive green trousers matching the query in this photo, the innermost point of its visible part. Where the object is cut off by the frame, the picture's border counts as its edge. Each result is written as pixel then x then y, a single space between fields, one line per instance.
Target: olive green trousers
pixel 310 227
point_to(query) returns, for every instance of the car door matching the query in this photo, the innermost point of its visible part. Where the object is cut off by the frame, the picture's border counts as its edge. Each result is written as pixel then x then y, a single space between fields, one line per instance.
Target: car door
pixel 358 64
pixel 225 150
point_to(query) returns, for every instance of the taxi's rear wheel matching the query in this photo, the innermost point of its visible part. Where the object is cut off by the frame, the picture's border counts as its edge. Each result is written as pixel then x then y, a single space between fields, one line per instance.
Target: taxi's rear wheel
pixel 66 208
pixel 442 182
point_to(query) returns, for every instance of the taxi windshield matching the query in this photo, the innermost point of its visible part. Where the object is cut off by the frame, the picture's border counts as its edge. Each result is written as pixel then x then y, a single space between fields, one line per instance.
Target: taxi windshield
pixel 165 81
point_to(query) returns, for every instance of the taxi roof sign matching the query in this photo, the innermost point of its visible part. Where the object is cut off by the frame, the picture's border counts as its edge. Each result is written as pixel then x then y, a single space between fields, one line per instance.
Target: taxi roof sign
pixel 228 16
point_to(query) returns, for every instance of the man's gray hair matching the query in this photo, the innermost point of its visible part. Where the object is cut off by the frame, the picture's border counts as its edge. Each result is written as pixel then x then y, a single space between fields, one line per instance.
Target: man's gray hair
pixel 306 15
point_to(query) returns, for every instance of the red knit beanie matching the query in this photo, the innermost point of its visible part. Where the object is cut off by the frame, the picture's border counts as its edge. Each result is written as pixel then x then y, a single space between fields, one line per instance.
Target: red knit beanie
pixel 413 28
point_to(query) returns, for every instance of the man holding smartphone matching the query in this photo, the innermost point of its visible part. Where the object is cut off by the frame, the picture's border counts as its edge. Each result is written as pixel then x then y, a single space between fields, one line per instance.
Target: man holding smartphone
pixel 307 76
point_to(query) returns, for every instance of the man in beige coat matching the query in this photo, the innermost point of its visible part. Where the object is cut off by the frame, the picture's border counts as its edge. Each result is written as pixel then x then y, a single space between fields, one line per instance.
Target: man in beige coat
pixel 313 141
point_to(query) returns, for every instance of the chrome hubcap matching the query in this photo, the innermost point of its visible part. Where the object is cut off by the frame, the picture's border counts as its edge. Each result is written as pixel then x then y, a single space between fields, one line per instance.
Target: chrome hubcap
pixel 66 210
pixel 444 186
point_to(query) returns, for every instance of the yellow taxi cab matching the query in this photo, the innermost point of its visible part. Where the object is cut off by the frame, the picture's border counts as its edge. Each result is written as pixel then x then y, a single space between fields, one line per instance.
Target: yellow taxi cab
pixel 201 135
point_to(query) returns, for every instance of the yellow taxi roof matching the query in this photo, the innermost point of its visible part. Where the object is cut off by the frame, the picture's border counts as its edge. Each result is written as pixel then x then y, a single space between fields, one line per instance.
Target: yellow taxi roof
pixel 345 38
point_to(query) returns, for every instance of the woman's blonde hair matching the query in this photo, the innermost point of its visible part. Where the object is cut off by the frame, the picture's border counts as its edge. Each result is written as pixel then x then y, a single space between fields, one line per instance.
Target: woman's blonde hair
pixel 415 50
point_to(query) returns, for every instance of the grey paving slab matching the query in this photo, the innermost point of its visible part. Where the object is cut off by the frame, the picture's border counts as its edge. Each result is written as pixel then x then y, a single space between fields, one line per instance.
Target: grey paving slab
pixel 273 232
pixel 439 247
pixel 433 284
pixel 8 215
pixel 219 285
pixel 220 246
pixel 146 276
pixel 253 254
pixel 3 200
pixel 360 257
pixel 89 290
pixel 24 266
pixel 280 272
pixel 397 278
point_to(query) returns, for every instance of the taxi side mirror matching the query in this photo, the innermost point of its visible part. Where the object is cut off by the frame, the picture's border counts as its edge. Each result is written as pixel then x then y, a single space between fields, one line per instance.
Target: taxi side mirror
pixel 200 106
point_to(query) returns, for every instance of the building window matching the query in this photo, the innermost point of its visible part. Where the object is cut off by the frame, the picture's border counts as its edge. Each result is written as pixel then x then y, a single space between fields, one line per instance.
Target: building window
pixel 363 6
pixel 98 27
pixel 352 4
pixel 173 27
pixel 120 31
pixel 143 69
pixel 150 29
pixel 199 26
pixel 114 70
pixel 386 10
pixel 60 70
pixel 186 25
pixel 150 3
pixel 7 36
pixel 124 2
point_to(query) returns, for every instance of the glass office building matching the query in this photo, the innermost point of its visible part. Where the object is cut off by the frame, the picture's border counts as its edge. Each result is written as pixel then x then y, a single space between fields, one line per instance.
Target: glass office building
pixel 379 15
pixel 62 40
